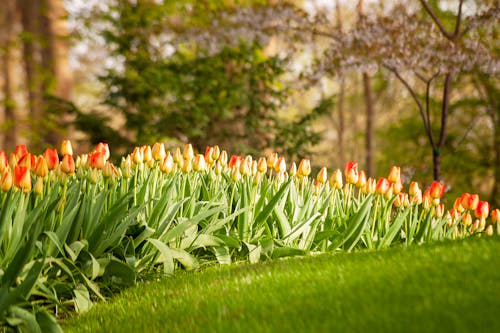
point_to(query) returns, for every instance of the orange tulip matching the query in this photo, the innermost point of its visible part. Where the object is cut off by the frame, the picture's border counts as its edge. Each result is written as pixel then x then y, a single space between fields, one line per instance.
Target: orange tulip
pixel 351 172
pixel 272 159
pixel 209 151
pixel 68 164
pixel 235 161
pixel 467 219
pixel 22 178
pixel 457 205
pixel 104 149
pixel 397 186
pixel 4 161
pixel 41 167
pixel 6 182
pixel 51 158
pixel 322 175
pixel 66 148
pixel 28 160
pixel 470 201
pixel 437 190
pixel 304 169
pixel 167 165
pixel 495 215
pixel 482 210
pixel 394 174
pixel 280 165
pixel 414 188
pixel 382 186
pixel 20 151
pixel 147 153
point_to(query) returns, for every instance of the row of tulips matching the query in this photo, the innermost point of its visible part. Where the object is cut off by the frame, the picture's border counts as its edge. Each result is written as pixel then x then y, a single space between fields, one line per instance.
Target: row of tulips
pixel 74 229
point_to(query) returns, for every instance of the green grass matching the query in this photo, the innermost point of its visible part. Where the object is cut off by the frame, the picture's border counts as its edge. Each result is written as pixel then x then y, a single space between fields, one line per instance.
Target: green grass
pixel 445 287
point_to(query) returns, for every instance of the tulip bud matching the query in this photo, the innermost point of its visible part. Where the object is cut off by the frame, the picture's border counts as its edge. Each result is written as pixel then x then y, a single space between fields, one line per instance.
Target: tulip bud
pixel 304 168
pixel 457 205
pixel 414 188
pixel 427 199
pixel 209 151
pixel 482 210
pixel 187 165
pixel 467 219
pixel 254 168
pixel 371 186
pixel 177 155
pixel 68 164
pixel 51 157
pixel 167 165
pixel 262 165
pixel 397 186
pixel 215 153
pixel 336 180
pixel 394 174
pixel 199 163
pixel 361 184
pixel 109 170
pixel 246 166
pixel 489 230
pixel 235 174
pixel 470 201
pixel 383 186
pixel 417 197
pixel 103 148
pixel 437 190
pixel 66 148
pixel 188 152
pixel 126 166
pixel 235 162
pixel 280 165
pixel 322 176
pixel 38 188
pixel 158 151
pixel 147 154
pixel 351 172
pixel 4 161
pixel 272 159
pixel 439 211
pixel 293 169
pixel 495 215
pixel 22 178
pixel 41 167
pixel 223 158
pixel 6 183
pixel 218 167
pixel 138 156
pixel 96 160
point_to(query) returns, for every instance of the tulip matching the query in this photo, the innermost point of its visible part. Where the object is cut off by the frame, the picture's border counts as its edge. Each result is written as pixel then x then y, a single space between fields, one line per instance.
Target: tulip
pixel 414 188
pixel 417 197
pixel 97 160
pixel 104 149
pixel 439 211
pixel 21 151
pixel 371 185
pixel 457 205
pixel 158 151
pixel 22 178
pixel 167 165
pixel 187 165
pixel 383 186
pixel 68 164
pixel 437 190
pixel 427 199
pixel 66 148
pixel 361 180
pixel 246 166
pixel 188 152
pixel 199 163
pixel 209 151
pixel 351 172
pixel 280 165
pixel 467 219
pixel 223 158
pixel 293 170
pixel 218 167
pixel 489 230
pixel 138 156
pixel 336 181
pixel 254 168
pixel 470 201
pixel 262 165
pixel 215 153
pixel 304 169
pixel 177 155
pixel 147 154
pixel 235 161
pixel 6 182
pixel 27 160
pixel 401 200
pixel 271 160
pixel 51 157
pixel 38 188
pixel 126 166
pixel 482 210
pixel 235 174
pixel 394 174
pixel 41 167
pixel 109 170
pixel 4 161
pixel 13 160
pixel 495 215
pixel 322 175
pixel 397 186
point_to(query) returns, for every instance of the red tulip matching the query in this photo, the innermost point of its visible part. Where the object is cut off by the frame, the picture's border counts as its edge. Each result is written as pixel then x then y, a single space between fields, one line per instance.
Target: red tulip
pixel 22 178
pixel 351 172
pixel 482 210
pixel 51 158
pixel 21 151
pixel 437 190
pixel 97 160
pixel 104 149
pixel 382 186
pixel 235 161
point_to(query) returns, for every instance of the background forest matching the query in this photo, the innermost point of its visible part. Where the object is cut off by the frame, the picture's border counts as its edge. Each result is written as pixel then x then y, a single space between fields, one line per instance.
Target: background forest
pixel 412 83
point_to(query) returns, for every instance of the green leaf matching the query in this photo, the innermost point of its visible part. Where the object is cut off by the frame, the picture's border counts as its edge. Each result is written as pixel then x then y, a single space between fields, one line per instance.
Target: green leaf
pixel 47 323
pixel 82 299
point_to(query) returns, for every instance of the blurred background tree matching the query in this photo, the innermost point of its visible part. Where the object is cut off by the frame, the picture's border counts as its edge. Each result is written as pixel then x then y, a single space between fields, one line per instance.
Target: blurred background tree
pixel 412 83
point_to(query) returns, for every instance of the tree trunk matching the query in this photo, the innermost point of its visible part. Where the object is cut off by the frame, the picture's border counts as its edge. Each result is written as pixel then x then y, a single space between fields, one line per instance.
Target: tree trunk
pixel 341 100
pixel 9 137
pixel 495 194
pixel 369 125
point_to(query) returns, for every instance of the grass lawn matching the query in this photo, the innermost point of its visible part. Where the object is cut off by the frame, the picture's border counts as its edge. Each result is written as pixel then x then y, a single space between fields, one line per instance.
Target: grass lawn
pixel 445 287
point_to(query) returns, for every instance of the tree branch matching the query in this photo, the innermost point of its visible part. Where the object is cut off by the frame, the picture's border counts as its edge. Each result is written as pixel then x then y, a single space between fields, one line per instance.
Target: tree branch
pixel 444 111
pixel 456 32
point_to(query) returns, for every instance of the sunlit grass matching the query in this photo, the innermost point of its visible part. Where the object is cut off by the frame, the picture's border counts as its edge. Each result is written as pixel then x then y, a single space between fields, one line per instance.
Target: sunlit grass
pixel 446 287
